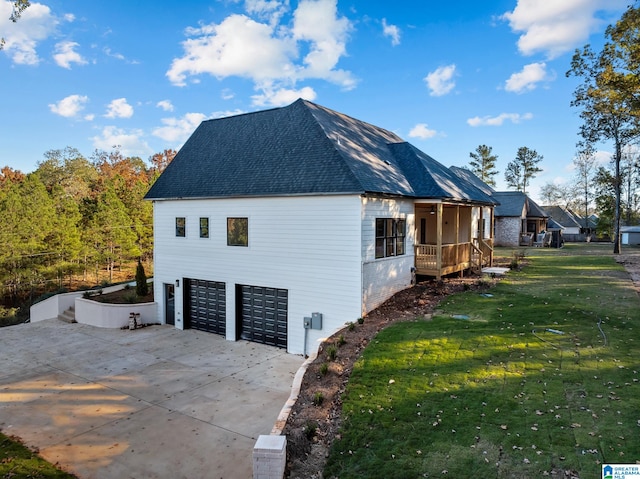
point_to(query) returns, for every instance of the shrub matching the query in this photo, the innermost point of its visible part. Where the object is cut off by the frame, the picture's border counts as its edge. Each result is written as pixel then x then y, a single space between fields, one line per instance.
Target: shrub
pixel 309 429
pixel 87 295
pixel 341 341
pixel 318 398
pixel 351 326
pixel 142 288
pixel 360 320
pixel 332 352
pixel 130 298
pixel 324 369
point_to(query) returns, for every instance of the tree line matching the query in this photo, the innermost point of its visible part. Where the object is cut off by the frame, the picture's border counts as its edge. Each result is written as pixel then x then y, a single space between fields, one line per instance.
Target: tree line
pixel 74 217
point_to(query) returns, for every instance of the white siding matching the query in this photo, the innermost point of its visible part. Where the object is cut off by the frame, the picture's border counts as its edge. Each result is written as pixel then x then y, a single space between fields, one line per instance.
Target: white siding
pixel 310 246
pixel 383 277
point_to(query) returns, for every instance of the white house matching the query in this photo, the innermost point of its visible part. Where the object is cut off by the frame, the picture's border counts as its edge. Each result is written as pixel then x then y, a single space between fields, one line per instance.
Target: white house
pixel 280 226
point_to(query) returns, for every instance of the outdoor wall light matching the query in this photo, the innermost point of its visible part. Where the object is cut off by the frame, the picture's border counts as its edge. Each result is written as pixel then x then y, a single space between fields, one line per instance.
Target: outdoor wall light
pixel 177 283
pixel 433 210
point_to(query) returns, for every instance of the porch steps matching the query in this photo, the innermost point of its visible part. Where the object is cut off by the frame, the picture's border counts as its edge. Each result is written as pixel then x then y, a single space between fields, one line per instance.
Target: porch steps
pixel 68 316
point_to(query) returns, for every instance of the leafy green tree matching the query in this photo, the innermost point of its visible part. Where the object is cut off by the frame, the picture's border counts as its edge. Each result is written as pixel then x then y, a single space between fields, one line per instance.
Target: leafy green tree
pixel 522 169
pixel 608 95
pixel 27 216
pixel 65 238
pixel 483 164
pixel 111 231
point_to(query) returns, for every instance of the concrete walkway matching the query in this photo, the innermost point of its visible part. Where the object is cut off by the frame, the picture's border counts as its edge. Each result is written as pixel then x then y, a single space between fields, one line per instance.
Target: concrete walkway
pixel 152 403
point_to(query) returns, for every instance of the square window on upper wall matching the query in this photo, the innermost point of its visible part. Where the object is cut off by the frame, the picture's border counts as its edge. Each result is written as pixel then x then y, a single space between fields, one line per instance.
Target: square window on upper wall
pixel 204 227
pixel 238 231
pixel 181 227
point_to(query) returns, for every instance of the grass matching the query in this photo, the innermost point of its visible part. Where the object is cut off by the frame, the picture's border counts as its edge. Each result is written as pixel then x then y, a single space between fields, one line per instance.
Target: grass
pixel 499 394
pixel 19 462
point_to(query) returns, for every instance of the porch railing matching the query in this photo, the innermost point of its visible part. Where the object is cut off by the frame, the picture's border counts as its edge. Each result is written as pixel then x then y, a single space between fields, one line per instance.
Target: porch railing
pixel 454 257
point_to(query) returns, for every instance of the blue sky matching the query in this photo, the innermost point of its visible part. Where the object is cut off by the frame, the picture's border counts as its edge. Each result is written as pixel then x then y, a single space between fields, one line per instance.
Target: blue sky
pixel 445 76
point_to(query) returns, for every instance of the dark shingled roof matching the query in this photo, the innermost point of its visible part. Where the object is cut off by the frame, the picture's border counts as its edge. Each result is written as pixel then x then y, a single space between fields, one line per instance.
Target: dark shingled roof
pixel 512 203
pixel 304 149
pixel 469 176
pixel 562 216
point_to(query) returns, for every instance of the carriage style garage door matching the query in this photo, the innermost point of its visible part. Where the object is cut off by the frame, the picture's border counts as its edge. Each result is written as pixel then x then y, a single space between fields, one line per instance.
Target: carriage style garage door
pixel 262 315
pixel 206 306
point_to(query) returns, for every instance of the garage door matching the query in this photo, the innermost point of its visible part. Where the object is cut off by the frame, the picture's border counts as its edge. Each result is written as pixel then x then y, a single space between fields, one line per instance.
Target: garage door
pixel 262 315
pixel 206 306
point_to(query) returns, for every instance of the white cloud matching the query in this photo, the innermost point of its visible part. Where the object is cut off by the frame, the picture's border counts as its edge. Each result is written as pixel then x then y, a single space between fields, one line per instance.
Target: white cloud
pixel 499 120
pixel 178 129
pixel 557 27
pixel 166 105
pixel 66 55
pixel 317 22
pixel 271 10
pixel 227 94
pixel 440 82
pixel 36 24
pixel 119 108
pixel 129 143
pixel 70 106
pixel 282 96
pixel 391 31
pixel 528 78
pixel 239 46
pixel 422 131
pixel 269 53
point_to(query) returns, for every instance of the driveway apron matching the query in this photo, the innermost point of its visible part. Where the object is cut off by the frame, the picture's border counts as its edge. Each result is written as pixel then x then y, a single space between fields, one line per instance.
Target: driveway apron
pixel 151 403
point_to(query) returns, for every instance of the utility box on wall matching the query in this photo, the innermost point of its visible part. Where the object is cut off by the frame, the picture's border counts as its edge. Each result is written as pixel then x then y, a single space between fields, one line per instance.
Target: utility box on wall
pixel 316 320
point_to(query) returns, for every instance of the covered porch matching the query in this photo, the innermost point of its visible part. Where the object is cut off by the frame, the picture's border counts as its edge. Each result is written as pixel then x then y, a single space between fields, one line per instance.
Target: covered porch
pixel 452 238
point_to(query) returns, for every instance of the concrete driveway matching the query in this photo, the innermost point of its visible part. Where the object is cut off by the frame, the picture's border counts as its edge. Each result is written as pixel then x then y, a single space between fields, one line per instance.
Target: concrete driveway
pixel 151 403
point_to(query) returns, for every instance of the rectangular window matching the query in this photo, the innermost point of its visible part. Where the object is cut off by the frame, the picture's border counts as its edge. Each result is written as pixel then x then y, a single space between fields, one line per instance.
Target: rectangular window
pixel 390 237
pixel 238 231
pixel 181 227
pixel 204 227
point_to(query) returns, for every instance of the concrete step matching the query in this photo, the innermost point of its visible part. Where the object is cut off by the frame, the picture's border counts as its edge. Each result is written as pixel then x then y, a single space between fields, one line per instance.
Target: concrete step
pixel 68 316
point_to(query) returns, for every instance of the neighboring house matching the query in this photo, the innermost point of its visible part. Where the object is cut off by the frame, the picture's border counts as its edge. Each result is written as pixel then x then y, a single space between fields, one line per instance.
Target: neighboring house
pixel 265 218
pixel 518 219
pixel 574 227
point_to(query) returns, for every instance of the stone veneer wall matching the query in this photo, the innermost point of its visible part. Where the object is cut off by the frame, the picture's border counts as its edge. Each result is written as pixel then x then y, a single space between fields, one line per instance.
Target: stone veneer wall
pixel 508 231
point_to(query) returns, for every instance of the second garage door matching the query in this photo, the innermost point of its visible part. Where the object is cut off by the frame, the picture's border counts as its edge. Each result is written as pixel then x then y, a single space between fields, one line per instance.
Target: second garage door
pixel 262 315
pixel 206 306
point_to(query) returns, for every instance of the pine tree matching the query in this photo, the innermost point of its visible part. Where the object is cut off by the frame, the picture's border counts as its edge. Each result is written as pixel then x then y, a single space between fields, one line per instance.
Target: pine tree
pixel 142 288
pixel 483 164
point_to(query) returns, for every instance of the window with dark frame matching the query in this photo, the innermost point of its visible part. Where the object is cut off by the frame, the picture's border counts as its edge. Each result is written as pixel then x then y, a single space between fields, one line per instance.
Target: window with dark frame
pixel 390 237
pixel 181 227
pixel 204 227
pixel 237 231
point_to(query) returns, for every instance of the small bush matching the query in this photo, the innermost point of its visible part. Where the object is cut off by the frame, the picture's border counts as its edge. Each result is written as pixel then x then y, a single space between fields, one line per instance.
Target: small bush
pixel 309 430
pixel 360 320
pixel 130 298
pixel 341 341
pixel 324 369
pixel 332 353
pixel 318 398
pixel 351 326
pixel 87 295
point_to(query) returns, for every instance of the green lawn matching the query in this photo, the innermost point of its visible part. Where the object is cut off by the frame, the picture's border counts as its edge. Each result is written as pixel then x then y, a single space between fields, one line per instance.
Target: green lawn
pixel 19 462
pixel 540 377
